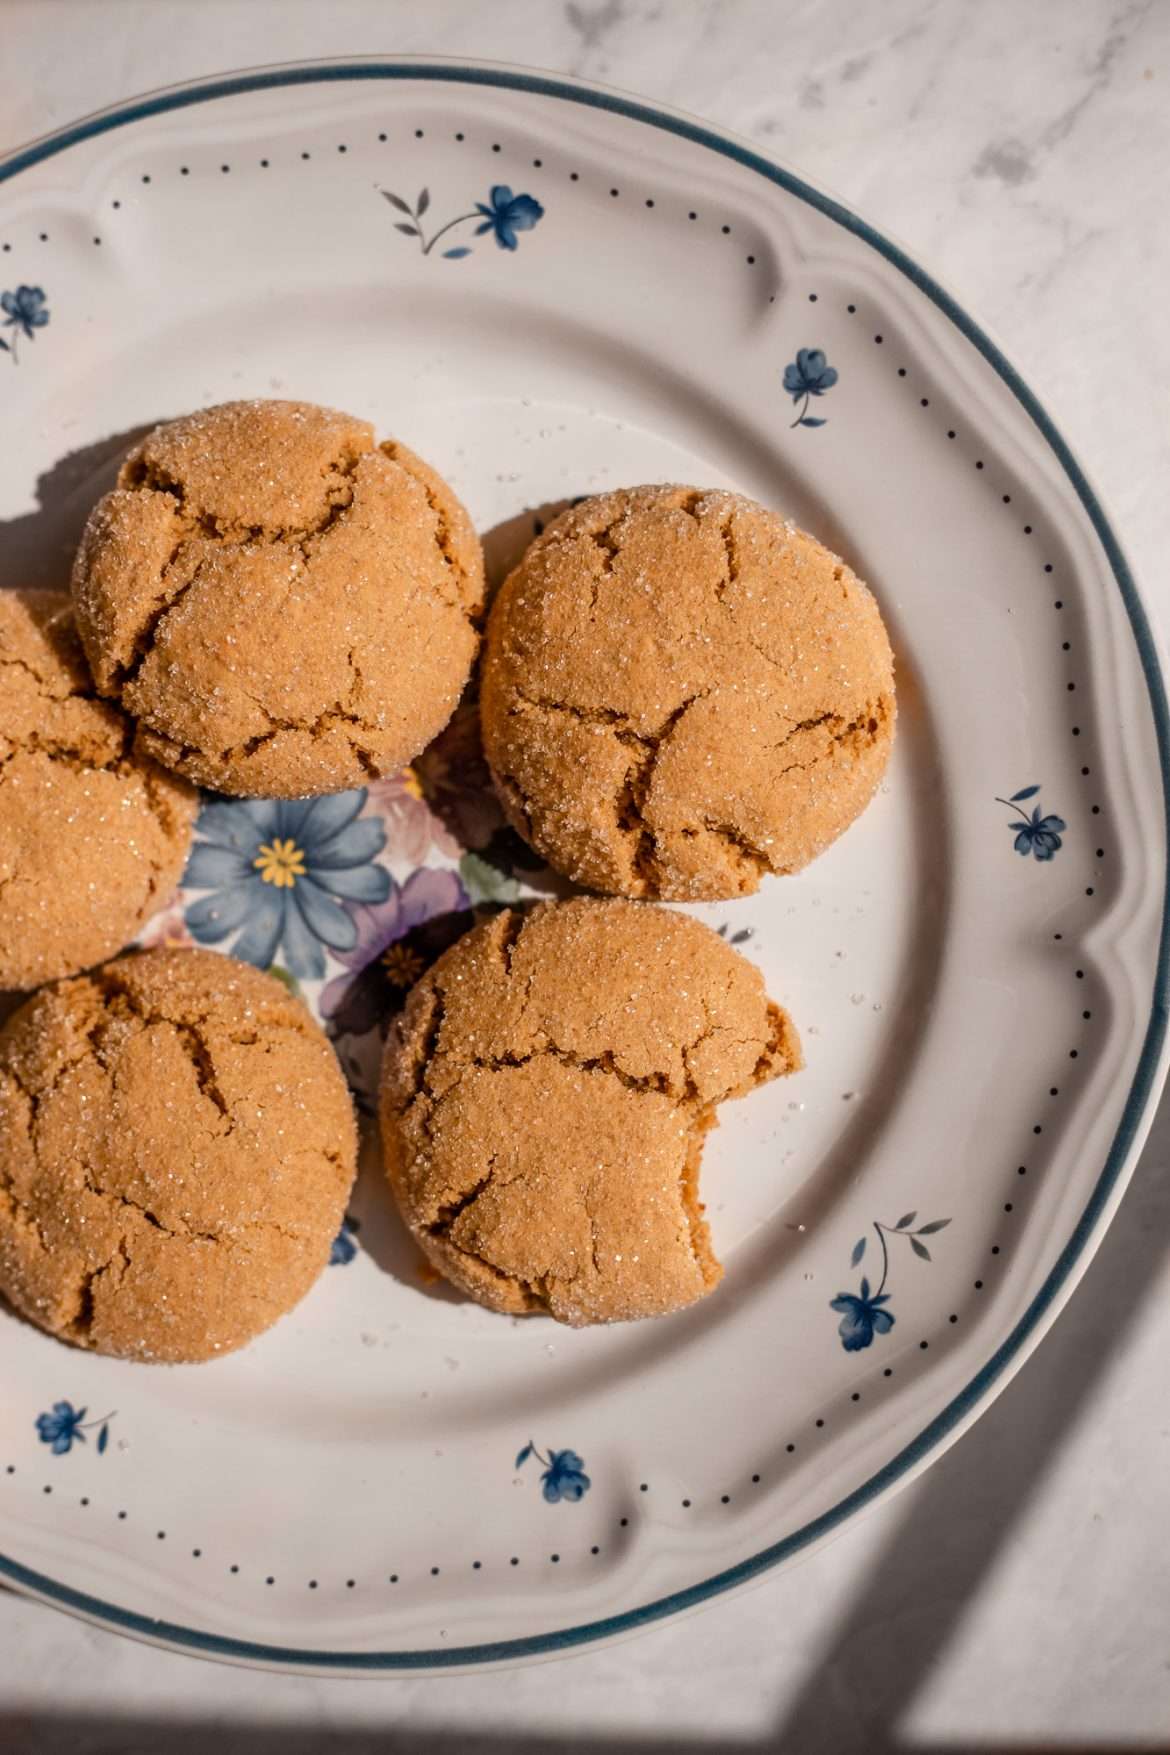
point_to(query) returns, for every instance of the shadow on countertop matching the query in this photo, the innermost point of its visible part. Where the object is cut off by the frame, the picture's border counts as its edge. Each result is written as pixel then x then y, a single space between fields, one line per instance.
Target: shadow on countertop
pixel 162 1737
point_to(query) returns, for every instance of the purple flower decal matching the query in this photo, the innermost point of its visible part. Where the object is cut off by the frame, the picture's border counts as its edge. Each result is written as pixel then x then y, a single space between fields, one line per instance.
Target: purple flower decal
pixel 412 824
pixel 396 940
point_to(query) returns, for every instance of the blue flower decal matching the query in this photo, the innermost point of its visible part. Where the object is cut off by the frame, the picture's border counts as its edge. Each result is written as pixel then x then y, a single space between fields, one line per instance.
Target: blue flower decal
pixel 62 1427
pixel 507 215
pixel 343 1248
pixel 1036 834
pixel 564 1474
pixel 503 214
pixel 861 1317
pixel 280 872
pixel 810 374
pixel 24 313
pixel 862 1313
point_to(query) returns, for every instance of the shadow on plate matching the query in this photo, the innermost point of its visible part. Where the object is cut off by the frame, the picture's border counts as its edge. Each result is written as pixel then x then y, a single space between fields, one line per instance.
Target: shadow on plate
pixel 381 1231
pixel 504 544
pixel 37 548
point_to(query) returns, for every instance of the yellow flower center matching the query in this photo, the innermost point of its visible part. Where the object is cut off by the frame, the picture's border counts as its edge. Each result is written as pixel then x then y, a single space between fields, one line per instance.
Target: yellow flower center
pixel 402 965
pixel 411 782
pixel 280 862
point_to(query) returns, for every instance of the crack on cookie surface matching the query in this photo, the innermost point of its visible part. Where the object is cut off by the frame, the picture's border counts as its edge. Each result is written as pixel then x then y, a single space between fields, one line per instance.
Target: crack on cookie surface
pixel 98 1019
pixel 440 1225
pixel 436 1082
pixel 630 798
pixel 603 1063
pixel 744 606
pixel 198 517
pixel 511 927
pixel 609 548
pixel 467 590
pixel 197 526
pixel 422 1040
pixel 74 776
pixel 76 688
pixel 141 471
pixel 726 529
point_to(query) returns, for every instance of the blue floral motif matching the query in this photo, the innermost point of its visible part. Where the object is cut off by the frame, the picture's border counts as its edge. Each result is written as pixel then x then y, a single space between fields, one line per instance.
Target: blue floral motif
pixel 564 1474
pixel 503 214
pixel 1036 834
pixel 24 313
pixel 281 872
pixel 62 1427
pixel 861 1317
pixel 810 374
pixel 507 215
pixel 862 1312
pixel 343 1248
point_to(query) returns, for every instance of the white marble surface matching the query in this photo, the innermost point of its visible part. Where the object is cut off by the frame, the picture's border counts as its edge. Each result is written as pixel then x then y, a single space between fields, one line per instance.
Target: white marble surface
pixel 1018 1596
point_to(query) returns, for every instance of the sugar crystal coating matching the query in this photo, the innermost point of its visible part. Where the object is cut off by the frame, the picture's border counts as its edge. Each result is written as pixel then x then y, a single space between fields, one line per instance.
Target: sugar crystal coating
pixel 93 833
pixel 682 692
pixel 176 1149
pixel 286 606
pixel 544 1098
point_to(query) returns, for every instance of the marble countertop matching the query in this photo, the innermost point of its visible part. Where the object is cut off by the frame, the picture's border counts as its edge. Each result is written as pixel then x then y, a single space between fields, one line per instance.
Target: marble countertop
pixel 1017 1596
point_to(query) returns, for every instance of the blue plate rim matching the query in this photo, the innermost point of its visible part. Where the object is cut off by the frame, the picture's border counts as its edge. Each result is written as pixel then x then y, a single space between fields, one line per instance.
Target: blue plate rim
pixel 1076 1252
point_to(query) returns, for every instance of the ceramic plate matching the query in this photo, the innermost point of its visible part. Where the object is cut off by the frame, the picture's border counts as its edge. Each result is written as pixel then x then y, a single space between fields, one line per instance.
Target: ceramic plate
pixel 548 290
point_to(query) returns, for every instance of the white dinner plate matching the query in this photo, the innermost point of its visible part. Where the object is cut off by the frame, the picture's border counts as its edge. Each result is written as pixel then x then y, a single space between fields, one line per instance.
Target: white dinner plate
pixel 547 289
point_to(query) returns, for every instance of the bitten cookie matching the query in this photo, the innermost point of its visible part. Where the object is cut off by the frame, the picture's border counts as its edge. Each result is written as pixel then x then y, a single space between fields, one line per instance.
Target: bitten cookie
pixel 176 1148
pixel 93 833
pixel 287 607
pixel 544 1099
pixel 681 692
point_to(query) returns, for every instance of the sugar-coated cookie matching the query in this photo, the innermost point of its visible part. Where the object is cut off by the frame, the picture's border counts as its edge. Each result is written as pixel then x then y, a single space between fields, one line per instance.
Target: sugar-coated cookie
pixel 93 833
pixel 285 605
pixel 176 1148
pixel 544 1099
pixel 681 692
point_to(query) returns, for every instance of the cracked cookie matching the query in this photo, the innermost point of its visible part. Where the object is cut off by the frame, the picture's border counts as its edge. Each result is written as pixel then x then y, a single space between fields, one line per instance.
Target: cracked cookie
pixel 286 606
pixel 176 1148
pixel 544 1098
pixel 682 692
pixel 93 833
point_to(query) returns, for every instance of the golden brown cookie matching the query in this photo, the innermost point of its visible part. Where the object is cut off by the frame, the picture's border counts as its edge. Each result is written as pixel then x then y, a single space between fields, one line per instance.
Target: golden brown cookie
pixel 286 606
pixel 93 833
pixel 544 1098
pixel 176 1148
pixel 681 692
